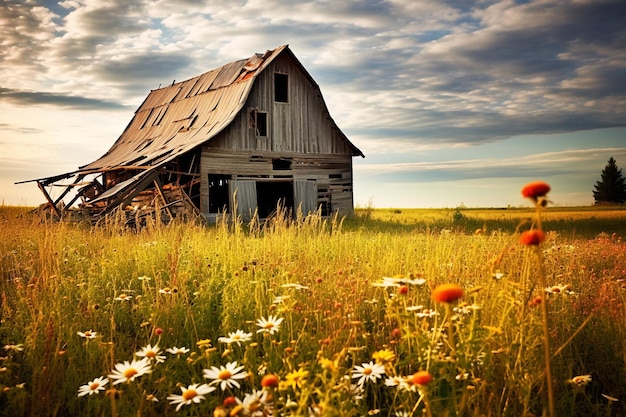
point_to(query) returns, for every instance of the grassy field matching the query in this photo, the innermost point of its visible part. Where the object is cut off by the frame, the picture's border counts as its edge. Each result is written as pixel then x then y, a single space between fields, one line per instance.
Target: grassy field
pixel 336 317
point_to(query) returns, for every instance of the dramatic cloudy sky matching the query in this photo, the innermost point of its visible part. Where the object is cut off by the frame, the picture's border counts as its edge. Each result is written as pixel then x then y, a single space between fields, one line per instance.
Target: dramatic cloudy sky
pixel 452 102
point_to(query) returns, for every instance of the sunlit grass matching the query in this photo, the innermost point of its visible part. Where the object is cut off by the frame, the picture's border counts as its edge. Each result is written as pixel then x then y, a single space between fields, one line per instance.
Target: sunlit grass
pixel 341 340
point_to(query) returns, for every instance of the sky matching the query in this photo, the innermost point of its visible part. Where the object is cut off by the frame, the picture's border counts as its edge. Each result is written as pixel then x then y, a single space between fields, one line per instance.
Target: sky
pixel 453 102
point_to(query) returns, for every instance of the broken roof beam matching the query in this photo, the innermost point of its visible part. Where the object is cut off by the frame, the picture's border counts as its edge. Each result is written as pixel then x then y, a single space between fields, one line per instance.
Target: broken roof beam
pixel 50 202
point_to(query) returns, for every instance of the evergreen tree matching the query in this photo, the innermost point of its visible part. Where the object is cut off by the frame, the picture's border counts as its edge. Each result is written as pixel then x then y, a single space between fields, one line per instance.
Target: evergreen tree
pixel 611 188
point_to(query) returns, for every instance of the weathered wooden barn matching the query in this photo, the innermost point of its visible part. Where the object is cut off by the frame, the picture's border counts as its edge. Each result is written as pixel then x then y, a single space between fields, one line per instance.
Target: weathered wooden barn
pixel 238 139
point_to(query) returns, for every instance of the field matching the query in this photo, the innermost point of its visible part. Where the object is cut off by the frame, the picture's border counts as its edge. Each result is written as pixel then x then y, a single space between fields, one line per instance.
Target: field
pixel 332 317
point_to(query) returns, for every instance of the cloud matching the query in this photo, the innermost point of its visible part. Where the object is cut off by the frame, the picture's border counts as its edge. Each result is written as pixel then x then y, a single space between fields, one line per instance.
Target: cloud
pixel 537 165
pixel 28 98
pixel 451 72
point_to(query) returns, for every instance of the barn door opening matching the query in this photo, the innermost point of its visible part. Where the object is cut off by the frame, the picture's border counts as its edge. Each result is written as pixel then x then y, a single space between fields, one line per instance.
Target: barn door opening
pixel 271 193
pixel 219 193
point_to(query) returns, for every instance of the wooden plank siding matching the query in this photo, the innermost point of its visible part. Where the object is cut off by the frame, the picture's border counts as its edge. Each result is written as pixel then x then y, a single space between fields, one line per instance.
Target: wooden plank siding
pixel 301 132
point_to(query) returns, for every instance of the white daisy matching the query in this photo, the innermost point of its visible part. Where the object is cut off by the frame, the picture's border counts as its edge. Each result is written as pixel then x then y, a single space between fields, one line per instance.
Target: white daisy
pixel 129 371
pixel 177 350
pixel 271 325
pixel 236 337
pixel 580 380
pixel 225 376
pixel 123 297
pixel 93 387
pixel 194 393
pixel 151 352
pixel 257 404
pixel 368 372
pixel 88 334
pixel 14 348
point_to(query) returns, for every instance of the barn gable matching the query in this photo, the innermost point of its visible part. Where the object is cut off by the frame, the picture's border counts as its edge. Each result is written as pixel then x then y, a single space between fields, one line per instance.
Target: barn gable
pixel 256 130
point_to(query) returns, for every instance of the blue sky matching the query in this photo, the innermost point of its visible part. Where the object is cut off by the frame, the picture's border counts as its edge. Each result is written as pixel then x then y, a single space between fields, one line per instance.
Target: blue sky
pixel 451 102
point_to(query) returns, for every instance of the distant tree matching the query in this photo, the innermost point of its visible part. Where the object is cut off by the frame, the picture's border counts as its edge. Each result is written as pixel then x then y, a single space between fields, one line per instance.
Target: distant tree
pixel 611 188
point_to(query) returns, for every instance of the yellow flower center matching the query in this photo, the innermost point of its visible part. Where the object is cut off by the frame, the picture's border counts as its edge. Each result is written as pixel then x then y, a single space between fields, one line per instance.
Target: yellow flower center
pixel 130 372
pixel 269 325
pixel 87 334
pixel 189 394
pixel 367 371
pixel 151 354
pixel 122 296
pixel 94 386
pixel 224 374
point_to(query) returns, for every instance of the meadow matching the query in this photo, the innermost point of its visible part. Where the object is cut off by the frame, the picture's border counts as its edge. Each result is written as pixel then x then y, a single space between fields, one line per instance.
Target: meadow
pixel 388 313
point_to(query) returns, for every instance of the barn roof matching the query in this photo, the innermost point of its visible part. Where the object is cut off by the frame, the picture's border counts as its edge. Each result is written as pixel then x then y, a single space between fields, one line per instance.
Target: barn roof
pixel 175 119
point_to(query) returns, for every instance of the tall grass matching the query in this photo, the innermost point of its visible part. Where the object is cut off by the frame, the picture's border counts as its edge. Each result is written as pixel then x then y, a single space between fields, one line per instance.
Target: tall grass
pixel 188 285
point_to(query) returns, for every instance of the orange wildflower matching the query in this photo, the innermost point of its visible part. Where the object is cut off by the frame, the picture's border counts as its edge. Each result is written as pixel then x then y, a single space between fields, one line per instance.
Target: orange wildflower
pixel 536 189
pixel 269 381
pixel 532 237
pixel 447 293
pixel 420 378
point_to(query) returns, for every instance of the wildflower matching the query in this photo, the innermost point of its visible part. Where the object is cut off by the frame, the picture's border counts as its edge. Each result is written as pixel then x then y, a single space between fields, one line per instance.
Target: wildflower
pixel 535 190
pixel 398 382
pixel 14 348
pixel 226 376
pixel 447 293
pixel 420 378
pixel 357 391
pixel 152 398
pixel 123 297
pixel 144 278
pixel 93 387
pixel 580 380
pixel 384 356
pixel 88 334
pixel 177 350
pixel 403 289
pixel 269 381
pixel 280 299
pixel 256 404
pixel 204 343
pixel 535 301
pixel 152 353
pixel 368 372
pixel 427 313
pixel 532 237
pixel 498 275
pixel 464 308
pixel 194 393
pixel 236 337
pixel 296 286
pixel 295 379
pixel 167 290
pixel 608 397
pixel 271 325
pixel 129 371
pixel 559 289
pixel 158 331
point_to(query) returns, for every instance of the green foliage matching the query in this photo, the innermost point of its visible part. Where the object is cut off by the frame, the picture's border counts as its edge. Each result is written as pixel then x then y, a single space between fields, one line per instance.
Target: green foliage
pixel 611 188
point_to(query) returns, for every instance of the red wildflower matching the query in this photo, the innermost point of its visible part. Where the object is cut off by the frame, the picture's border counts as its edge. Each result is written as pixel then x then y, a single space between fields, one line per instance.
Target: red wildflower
pixel 447 293
pixel 534 190
pixel 532 237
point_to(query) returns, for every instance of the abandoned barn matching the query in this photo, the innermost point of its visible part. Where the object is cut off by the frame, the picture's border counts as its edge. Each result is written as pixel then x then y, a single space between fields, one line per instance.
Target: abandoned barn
pixel 239 139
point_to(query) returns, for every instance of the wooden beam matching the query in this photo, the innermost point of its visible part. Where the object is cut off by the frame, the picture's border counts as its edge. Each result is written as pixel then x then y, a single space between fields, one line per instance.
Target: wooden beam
pixel 45 193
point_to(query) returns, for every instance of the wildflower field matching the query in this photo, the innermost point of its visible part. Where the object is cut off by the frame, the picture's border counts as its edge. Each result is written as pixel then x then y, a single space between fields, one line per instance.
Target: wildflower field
pixel 460 312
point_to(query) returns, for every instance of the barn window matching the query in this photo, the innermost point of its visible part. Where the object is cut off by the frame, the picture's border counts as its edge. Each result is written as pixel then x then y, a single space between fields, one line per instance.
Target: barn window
pixel 218 193
pixel 261 124
pixel 281 88
pixel 281 164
